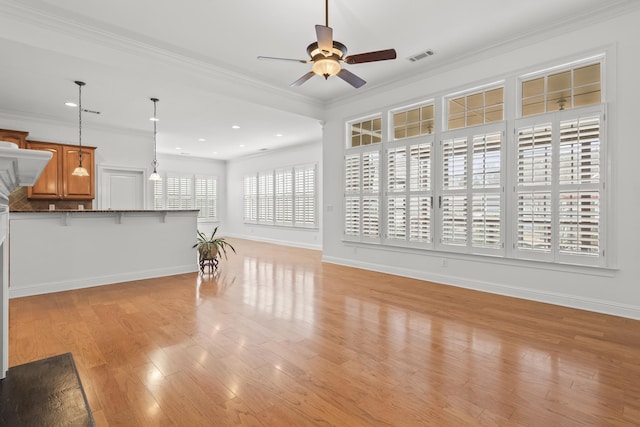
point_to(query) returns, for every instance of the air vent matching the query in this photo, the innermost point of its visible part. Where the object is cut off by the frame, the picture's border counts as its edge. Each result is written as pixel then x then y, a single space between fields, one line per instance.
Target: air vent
pixel 421 55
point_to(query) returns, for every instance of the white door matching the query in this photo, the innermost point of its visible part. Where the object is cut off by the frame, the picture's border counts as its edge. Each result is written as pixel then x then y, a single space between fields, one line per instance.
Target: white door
pixel 122 189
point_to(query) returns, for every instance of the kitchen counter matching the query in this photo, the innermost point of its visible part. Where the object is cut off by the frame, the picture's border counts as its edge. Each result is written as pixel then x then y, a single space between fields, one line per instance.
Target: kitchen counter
pixel 52 251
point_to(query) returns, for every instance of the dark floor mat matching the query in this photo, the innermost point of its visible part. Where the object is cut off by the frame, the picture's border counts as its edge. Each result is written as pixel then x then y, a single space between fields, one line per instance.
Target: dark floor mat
pixel 46 392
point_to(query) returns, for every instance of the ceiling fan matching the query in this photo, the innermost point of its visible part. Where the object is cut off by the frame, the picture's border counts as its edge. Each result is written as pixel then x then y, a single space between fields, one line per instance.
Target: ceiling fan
pixel 327 53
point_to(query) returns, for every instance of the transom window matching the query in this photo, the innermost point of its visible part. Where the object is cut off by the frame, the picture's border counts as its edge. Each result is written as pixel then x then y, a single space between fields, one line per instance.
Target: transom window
pixel 477 108
pixel 413 122
pixel 562 90
pixel 366 132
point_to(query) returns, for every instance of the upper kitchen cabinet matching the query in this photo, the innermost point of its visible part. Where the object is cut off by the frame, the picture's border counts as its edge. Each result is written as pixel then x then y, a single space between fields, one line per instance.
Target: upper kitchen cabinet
pixel 49 185
pixel 15 136
pixel 77 187
pixel 57 181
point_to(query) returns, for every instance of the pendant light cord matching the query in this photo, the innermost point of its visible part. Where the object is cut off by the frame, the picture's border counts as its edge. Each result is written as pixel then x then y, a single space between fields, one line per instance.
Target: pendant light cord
pixel 80 84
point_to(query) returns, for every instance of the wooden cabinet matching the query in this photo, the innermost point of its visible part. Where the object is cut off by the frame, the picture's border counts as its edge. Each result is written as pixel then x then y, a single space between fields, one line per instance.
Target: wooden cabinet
pixel 49 185
pixel 15 136
pixel 57 180
pixel 77 187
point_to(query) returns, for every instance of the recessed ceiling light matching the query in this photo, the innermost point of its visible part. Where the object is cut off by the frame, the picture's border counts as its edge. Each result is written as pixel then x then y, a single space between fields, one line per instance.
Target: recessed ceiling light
pixel 154 119
pixel 202 140
pixel 241 145
pixel 178 148
pixel 278 134
pixel 235 127
pixel 215 152
pixel 70 104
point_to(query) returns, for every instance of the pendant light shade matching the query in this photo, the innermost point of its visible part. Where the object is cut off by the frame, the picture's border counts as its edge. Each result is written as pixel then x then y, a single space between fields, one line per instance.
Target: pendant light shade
pixel 80 170
pixel 155 176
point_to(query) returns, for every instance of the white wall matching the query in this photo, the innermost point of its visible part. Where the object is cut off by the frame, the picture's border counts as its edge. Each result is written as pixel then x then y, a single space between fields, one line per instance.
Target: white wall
pixel 237 169
pixel 616 290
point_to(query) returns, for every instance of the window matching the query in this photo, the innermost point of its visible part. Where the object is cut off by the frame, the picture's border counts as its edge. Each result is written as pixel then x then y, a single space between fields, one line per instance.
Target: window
pixel 265 197
pixel 305 196
pixel 284 197
pixel 477 108
pixel 414 122
pixel 250 198
pixel 177 191
pixel 559 186
pixel 471 196
pixel 207 197
pixel 531 187
pixel 366 132
pixel 409 199
pixel 562 90
pixel 362 195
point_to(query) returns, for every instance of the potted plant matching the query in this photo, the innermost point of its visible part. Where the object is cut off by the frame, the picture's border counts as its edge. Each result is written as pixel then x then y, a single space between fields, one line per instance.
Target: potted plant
pixel 209 247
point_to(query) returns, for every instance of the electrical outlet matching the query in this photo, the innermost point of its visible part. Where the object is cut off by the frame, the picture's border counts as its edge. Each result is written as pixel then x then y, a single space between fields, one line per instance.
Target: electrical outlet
pixel 444 262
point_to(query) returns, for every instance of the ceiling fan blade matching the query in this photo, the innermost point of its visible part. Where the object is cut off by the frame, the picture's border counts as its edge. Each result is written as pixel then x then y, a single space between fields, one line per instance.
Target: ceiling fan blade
pixel 379 55
pixel 302 79
pixel 325 39
pixel 350 78
pixel 271 58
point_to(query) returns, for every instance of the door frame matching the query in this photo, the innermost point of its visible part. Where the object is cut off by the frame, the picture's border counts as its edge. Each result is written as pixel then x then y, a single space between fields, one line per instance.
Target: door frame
pixel 105 169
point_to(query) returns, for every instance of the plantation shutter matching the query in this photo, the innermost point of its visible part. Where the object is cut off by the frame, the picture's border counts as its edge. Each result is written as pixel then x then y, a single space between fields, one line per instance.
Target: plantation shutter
pixel 579 184
pixel 559 187
pixel 362 195
pixel 486 204
pixel 206 197
pixel 453 201
pixel 420 196
pixel 179 192
pixel 352 195
pixel 250 198
pixel 371 191
pixel 265 197
pixel 396 193
pixel 284 196
pixel 158 195
pixel 534 209
pixel 305 196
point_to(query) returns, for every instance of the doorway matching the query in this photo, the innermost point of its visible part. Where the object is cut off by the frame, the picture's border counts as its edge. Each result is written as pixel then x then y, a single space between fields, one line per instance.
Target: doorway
pixel 121 189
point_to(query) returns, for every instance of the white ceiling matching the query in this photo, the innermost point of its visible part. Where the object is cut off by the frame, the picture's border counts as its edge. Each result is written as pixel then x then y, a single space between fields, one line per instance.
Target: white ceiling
pixel 199 58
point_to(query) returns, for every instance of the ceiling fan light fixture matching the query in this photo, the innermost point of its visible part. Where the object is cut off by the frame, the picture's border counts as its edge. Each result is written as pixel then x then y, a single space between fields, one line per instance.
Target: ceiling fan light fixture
pixel 326 67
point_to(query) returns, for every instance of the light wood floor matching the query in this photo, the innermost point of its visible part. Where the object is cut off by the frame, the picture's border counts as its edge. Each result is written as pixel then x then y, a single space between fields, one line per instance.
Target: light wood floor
pixel 280 339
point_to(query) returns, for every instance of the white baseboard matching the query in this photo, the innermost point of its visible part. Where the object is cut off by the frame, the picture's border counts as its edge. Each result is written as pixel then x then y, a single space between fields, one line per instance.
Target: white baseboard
pixel 276 241
pixel 50 287
pixel 572 301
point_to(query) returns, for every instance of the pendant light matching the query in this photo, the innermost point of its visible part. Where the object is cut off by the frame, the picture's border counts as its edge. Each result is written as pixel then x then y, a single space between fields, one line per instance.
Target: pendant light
pixel 80 170
pixel 155 176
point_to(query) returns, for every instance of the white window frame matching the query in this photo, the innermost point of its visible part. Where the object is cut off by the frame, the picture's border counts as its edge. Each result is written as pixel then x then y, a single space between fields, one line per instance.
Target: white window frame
pixel 469 190
pixel 555 188
pixel 508 177
pixel 264 203
pixel 187 197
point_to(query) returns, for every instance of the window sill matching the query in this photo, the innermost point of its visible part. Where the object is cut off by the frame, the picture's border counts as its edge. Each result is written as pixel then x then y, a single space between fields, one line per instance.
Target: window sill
pixel 491 259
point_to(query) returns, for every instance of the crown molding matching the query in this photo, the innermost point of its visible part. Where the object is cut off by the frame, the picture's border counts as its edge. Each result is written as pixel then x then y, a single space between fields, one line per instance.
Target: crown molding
pixel 224 78
pixel 602 13
pixel 57 121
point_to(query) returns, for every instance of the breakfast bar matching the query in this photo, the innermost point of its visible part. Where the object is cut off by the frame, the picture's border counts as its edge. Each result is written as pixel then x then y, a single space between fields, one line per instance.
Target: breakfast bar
pixel 52 251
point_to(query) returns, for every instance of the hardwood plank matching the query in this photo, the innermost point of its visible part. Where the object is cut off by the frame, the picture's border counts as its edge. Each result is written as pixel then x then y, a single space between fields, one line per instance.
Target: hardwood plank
pixel 276 337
